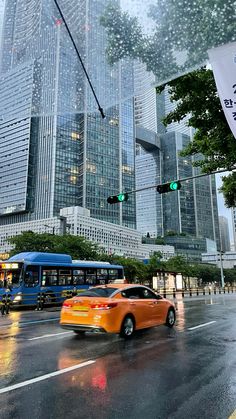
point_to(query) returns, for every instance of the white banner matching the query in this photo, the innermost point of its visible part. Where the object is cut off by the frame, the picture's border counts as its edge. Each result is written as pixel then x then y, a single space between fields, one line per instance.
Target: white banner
pixel 223 62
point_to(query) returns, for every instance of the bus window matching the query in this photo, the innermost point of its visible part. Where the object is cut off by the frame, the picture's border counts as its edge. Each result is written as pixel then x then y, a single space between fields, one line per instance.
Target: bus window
pixel 113 274
pixel 78 276
pixel 91 276
pixel 64 277
pixel 102 276
pixel 31 276
pixel 49 277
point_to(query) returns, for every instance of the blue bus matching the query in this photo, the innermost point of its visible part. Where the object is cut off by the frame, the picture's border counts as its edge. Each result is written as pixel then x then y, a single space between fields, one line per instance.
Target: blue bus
pixel 27 275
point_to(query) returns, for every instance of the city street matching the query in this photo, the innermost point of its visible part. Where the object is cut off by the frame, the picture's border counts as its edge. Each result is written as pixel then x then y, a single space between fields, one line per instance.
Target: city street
pixel 185 372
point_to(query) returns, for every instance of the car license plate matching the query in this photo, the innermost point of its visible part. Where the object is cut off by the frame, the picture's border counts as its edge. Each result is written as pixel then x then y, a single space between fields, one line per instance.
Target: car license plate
pixel 80 308
pixel 80 314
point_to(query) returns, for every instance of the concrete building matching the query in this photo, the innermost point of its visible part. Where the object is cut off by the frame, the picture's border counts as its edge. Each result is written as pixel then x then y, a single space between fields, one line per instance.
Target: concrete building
pixel 111 237
pixel 228 259
pixel 224 234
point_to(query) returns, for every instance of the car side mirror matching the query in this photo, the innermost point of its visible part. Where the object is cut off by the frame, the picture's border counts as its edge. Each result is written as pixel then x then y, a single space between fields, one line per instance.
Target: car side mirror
pixel 159 297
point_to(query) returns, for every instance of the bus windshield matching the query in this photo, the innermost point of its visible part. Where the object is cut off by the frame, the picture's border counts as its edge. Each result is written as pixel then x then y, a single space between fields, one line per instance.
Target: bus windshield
pixel 12 275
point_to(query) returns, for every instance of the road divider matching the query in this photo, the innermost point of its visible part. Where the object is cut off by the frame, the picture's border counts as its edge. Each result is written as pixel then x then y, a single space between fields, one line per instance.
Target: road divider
pixel 45 377
pixel 201 325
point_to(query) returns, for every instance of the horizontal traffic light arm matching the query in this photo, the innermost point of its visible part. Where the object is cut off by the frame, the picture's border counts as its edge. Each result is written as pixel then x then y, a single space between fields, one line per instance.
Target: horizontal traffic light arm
pixel 173 186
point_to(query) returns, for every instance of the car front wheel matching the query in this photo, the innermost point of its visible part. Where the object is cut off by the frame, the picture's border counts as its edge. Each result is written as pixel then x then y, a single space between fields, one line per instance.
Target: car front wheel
pixel 127 327
pixel 170 319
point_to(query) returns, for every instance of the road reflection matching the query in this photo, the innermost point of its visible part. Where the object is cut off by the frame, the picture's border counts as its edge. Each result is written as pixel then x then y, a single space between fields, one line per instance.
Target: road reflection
pixel 8 351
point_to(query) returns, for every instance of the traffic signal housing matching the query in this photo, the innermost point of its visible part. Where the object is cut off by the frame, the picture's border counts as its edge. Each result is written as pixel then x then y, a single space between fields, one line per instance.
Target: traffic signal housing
pixel 117 199
pixel 169 187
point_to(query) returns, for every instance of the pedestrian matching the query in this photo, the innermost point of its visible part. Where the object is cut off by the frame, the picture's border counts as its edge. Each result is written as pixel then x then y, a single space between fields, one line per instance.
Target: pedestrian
pixel 39 302
pixel 3 305
pixel 8 303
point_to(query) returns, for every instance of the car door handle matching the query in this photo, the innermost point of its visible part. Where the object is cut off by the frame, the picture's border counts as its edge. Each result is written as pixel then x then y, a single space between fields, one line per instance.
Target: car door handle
pixel 133 304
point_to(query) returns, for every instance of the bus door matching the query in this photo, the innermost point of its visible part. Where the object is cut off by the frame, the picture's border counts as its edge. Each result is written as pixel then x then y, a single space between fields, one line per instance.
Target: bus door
pixel 31 285
pixel 65 287
pixel 79 279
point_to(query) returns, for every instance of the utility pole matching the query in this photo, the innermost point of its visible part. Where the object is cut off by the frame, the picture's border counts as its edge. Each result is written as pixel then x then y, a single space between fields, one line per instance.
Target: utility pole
pixel 221 271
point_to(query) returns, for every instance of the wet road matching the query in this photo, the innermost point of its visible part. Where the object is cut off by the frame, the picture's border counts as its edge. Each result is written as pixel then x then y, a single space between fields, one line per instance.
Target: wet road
pixel 186 372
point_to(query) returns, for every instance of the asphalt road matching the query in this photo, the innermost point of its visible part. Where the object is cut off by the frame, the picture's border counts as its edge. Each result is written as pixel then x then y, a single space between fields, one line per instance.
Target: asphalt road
pixel 186 372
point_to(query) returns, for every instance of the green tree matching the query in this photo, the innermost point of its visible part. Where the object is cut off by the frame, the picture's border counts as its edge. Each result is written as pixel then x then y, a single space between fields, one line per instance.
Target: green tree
pixel 184 26
pixel 134 269
pixel 154 265
pixel 76 246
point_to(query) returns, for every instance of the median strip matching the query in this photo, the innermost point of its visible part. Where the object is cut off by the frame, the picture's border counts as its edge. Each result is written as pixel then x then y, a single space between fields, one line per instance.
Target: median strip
pixel 46 376
pixel 201 325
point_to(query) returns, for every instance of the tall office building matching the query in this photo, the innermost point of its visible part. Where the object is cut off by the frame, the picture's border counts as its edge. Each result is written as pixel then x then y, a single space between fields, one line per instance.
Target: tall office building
pixel 233 213
pixel 2 6
pixel 224 234
pixel 71 156
pixel 193 209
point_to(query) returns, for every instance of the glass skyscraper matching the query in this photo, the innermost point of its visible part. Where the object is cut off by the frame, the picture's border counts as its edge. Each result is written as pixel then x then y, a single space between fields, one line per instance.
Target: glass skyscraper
pixel 72 155
pixel 193 209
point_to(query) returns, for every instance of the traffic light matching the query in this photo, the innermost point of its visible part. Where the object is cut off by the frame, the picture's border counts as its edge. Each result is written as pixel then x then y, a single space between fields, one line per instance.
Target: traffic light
pixel 169 187
pixel 114 199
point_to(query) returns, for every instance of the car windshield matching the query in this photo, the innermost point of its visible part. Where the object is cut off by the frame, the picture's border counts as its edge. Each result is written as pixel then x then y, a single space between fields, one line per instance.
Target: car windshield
pixel 98 292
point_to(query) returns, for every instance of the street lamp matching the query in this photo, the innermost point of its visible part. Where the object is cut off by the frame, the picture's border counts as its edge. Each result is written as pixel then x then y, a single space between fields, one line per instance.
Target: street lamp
pixel 221 271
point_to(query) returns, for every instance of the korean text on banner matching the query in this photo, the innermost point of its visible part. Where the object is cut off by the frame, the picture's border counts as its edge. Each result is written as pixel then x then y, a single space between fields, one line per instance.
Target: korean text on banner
pixel 223 62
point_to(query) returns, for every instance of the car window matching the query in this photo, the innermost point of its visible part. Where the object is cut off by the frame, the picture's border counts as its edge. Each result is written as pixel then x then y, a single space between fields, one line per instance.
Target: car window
pixel 102 292
pixel 148 294
pixel 138 292
pixel 134 292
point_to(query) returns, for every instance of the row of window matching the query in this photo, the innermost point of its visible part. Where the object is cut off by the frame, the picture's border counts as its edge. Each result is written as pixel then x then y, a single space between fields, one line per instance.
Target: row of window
pixel 52 276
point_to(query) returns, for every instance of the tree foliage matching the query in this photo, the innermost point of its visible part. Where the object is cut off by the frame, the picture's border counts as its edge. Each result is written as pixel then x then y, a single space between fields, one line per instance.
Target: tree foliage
pixel 76 246
pixel 184 26
pixel 196 96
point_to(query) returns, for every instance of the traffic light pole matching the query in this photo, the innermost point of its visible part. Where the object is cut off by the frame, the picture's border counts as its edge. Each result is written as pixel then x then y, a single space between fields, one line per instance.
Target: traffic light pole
pixel 183 179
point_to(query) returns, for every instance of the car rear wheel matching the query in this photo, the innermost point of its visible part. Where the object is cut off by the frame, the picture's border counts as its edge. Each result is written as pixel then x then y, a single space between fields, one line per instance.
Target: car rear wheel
pixel 170 319
pixel 127 327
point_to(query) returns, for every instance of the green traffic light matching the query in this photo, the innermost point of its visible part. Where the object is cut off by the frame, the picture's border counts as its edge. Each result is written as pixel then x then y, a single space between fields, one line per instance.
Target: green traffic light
pixel 174 186
pixel 121 197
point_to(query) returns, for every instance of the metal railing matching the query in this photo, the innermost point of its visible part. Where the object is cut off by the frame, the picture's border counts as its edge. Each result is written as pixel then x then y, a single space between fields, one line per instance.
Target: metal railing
pixel 195 292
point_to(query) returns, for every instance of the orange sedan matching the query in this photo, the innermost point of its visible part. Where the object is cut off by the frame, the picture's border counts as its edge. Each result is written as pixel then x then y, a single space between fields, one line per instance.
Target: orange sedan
pixel 116 308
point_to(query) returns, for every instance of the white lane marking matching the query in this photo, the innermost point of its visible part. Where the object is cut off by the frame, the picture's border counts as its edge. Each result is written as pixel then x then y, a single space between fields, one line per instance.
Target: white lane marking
pixel 201 325
pixel 46 376
pixel 50 335
pixel 19 324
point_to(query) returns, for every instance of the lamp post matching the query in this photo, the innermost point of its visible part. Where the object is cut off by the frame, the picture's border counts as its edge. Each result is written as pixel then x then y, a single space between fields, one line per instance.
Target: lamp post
pixel 53 228
pixel 221 271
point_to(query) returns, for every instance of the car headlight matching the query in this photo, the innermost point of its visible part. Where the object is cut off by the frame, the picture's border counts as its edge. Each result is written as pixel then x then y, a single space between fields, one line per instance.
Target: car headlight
pixel 17 298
